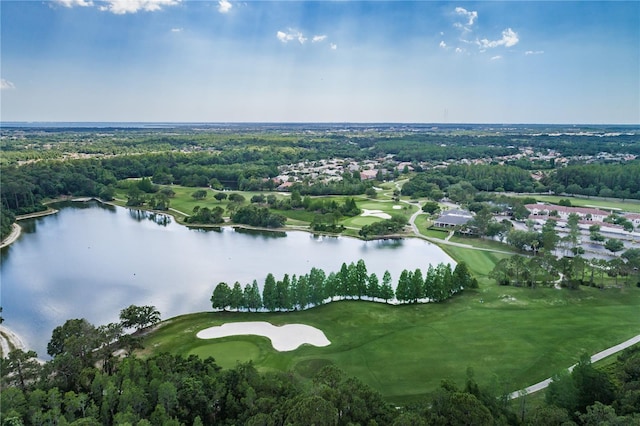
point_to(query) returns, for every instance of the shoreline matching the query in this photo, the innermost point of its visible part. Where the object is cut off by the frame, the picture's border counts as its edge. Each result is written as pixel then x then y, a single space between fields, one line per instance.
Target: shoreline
pixel 17 229
pixel 15 233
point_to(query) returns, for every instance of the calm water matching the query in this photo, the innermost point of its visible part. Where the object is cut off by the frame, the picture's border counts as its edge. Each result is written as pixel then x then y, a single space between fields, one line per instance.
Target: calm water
pixel 90 261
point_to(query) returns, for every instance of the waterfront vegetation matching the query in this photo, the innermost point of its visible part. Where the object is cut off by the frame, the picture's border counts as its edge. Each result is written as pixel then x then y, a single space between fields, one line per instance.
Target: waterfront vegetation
pixel 509 335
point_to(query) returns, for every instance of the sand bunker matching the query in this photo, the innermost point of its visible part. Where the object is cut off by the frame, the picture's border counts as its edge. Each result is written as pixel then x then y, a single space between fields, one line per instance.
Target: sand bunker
pixel 376 213
pixel 285 338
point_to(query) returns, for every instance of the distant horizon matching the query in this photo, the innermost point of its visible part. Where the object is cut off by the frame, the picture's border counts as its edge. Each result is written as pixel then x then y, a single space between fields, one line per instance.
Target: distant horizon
pixel 301 123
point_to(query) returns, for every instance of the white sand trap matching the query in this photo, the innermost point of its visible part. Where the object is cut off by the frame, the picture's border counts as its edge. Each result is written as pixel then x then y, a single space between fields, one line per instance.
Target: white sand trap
pixel 397 207
pixel 285 338
pixel 376 213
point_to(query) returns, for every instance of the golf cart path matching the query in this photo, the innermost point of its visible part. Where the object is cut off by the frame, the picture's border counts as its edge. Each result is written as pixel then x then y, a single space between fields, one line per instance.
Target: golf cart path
pixel 597 357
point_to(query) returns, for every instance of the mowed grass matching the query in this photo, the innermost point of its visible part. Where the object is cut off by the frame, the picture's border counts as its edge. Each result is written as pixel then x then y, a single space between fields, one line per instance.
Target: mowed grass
pixel 517 336
pixel 632 206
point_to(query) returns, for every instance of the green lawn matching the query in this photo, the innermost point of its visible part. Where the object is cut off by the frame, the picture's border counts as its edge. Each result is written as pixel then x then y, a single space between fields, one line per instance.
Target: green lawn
pixel 519 336
pixel 184 203
pixel 482 243
pixel 632 206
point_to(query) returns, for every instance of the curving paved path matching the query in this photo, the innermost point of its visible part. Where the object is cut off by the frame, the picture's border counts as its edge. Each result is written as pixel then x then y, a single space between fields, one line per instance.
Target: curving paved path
pixel 597 357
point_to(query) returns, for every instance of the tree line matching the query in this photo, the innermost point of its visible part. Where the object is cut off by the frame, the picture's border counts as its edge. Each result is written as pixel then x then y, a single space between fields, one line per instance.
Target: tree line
pixel 352 281
pixel 603 180
pixel 570 272
pixel 166 389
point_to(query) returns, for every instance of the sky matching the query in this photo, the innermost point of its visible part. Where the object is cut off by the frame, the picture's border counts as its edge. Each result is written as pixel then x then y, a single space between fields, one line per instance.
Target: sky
pixel 320 61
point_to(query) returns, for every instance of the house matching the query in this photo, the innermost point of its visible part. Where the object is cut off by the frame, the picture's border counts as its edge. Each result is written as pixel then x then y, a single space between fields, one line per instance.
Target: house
pixel 633 218
pixel 368 174
pixel 284 186
pixel 452 218
pixel 585 213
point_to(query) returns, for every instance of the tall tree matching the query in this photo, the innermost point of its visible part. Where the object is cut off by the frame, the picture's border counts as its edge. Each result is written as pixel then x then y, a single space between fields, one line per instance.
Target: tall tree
pixel 283 294
pixel 403 289
pixel 416 286
pixel 317 286
pixel 269 293
pixel 139 317
pixel 220 298
pixel 360 278
pixel 462 278
pixel 549 235
pixel 343 281
pixel 386 290
pixel 236 299
pixel 373 289
pixel 20 368
pixel 302 293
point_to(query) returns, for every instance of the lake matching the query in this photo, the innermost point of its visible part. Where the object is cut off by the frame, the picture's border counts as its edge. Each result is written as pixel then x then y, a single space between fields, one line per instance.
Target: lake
pixel 91 260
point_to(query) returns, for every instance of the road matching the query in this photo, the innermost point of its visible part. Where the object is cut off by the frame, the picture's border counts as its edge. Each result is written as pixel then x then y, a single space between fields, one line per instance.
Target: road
pixel 597 357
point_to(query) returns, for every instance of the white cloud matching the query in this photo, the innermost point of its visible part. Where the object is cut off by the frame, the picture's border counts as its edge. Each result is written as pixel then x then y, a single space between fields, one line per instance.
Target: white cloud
pixel 443 45
pixel 509 39
pixel 286 37
pixel 176 30
pixel 459 50
pixel 534 52
pixel 224 6
pixel 470 15
pixel 333 46
pixel 120 7
pixel 318 38
pixel 6 84
pixel 72 3
pixel 495 58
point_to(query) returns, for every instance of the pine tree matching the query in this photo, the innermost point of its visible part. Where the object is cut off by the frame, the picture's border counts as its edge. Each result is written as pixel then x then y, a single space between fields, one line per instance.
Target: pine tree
pixel 269 294
pixel 302 292
pixel 373 289
pixel 416 286
pixel 386 291
pixel 236 299
pixel 403 289
pixel 317 286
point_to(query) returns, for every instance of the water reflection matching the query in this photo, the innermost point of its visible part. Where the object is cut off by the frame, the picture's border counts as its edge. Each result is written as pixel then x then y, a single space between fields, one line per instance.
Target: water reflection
pixel 205 229
pixel 260 233
pixel 90 261
pixel 157 218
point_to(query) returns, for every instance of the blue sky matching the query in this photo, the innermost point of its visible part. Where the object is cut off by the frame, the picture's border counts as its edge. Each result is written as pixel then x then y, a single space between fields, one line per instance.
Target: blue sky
pixel 322 61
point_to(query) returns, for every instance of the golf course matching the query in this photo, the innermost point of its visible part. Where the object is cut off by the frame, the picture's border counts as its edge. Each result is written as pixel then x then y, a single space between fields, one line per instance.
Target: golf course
pixel 511 337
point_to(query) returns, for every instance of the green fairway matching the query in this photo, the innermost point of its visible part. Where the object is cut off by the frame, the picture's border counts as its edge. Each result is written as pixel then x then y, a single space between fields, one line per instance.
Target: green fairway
pixel 480 262
pixel 519 336
pixel 228 354
pixel 632 206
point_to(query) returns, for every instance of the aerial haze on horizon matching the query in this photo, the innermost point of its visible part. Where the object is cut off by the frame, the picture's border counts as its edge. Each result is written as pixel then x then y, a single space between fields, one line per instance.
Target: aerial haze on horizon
pixel 343 61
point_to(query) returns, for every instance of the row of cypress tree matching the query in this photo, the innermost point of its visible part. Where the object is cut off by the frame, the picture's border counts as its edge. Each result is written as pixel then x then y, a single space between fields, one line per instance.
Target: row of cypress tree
pixel 352 281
